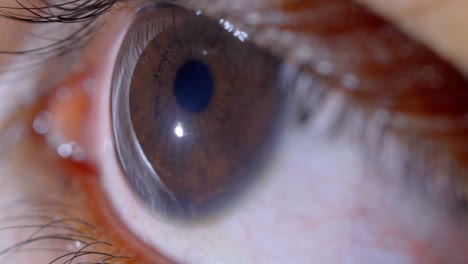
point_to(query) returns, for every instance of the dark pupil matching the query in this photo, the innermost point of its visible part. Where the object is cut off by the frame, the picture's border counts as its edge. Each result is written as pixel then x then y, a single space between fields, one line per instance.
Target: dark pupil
pixel 193 86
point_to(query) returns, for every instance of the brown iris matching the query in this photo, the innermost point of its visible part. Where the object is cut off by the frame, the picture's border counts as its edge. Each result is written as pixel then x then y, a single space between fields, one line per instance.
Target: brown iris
pixel 204 106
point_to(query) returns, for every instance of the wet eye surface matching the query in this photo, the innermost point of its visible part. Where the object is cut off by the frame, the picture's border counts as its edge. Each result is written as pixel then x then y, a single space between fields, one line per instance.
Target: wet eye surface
pixel 204 106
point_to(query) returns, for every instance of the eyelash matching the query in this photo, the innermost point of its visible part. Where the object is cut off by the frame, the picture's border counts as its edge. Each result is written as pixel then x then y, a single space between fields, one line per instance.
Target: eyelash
pixel 70 229
pixel 80 12
pixel 42 225
pixel 72 11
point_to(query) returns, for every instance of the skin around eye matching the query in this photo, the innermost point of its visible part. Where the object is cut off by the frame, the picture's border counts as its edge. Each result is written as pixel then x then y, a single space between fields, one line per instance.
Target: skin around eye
pixel 369 224
pixel 439 24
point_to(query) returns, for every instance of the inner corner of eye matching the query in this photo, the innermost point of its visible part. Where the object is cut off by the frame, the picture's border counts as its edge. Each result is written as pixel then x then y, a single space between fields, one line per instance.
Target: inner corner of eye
pixel 195 114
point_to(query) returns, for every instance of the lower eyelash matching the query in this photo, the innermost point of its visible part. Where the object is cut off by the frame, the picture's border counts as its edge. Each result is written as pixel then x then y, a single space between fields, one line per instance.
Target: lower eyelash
pixel 45 218
pixel 40 229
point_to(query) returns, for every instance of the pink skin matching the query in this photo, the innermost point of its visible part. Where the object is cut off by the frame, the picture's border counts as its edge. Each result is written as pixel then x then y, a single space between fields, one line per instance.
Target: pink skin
pixel 333 208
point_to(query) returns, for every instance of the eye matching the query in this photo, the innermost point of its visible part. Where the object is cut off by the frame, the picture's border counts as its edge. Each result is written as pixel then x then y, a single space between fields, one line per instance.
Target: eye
pixel 315 105
pixel 251 132
pixel 195 110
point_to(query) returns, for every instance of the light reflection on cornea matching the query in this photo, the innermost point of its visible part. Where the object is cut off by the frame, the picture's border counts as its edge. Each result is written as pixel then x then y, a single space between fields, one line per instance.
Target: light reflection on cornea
pixel 229 27
pixel 179 130
pixel 241 35
pixel 226 24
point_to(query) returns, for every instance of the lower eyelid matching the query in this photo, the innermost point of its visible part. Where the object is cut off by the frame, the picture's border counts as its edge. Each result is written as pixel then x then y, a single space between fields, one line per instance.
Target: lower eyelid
pixel 69 194
pixel 69 216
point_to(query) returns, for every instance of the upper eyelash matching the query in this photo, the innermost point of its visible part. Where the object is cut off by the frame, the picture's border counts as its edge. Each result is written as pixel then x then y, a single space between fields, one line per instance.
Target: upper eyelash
pixel 62 46
pixel 70 12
